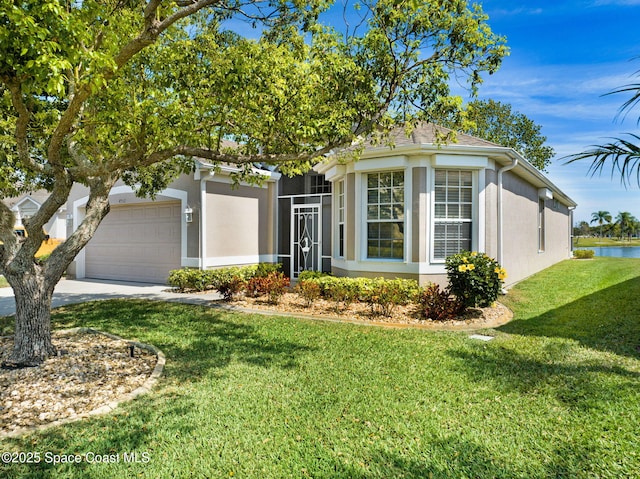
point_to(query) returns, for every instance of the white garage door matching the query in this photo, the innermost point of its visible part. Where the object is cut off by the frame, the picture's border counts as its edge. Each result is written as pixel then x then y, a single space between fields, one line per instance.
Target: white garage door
pixel 136 243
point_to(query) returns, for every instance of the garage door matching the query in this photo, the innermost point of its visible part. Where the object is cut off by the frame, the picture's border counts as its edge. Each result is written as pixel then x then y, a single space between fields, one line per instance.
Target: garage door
pixel 136 243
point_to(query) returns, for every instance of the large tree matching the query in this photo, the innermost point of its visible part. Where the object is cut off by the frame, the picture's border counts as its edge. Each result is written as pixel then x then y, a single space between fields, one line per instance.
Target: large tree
pixel 497 122
pixel 97 91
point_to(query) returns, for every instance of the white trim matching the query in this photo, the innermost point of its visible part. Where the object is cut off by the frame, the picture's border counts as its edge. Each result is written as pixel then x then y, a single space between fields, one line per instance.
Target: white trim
pixel 380 164
pixel 221 261
pixel 460 161
pixel 23 200
pixel 78 216
pixel 334 172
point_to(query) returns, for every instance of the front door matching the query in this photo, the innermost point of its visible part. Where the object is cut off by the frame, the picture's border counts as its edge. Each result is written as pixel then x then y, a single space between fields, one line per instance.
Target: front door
pixel 306 242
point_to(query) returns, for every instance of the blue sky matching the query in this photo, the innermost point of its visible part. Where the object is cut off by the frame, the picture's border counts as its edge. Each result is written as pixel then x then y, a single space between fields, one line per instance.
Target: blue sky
pixel 564 56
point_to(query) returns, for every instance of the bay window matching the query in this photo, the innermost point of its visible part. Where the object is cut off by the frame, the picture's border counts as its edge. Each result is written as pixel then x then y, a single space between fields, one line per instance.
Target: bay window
pixel 385 215
pixel 452 212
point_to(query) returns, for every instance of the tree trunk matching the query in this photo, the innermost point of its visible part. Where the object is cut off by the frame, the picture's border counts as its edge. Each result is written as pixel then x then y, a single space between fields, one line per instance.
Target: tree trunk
pixel 32 341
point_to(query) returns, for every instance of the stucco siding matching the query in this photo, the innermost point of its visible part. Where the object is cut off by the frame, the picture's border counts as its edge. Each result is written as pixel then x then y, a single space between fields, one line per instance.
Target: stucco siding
pixel 238 221
pixel 522 255
pixel 491 213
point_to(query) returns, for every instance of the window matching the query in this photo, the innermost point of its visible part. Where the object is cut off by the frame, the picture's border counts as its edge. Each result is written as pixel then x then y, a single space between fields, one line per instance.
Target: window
pixel 385 215
pixel 341 212
pixel 453 212
pixel 319 185
pixel 541 225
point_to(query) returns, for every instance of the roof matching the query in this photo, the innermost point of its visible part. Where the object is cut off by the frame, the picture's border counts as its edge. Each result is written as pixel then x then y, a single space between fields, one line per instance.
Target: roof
pixel 430 134
pixel 429 138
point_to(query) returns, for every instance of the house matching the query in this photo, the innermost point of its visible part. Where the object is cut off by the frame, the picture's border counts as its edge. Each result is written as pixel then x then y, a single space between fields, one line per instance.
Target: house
pixel 27 204
pixel 401 211
pixel 396 212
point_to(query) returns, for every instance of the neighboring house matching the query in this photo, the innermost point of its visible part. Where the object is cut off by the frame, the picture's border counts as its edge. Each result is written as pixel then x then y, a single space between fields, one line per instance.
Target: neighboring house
pixel 27 204
pixel 396 212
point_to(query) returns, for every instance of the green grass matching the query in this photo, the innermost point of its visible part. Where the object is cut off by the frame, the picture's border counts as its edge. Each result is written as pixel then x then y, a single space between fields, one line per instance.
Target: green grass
pixel 592 242
pixel 3 282
pixel 555 394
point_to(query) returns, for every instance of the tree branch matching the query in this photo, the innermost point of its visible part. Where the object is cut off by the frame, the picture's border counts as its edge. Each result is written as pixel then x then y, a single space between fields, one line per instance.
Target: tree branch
pixel 237 159
pixel 22 125
pixel 150 33
pixel 96 209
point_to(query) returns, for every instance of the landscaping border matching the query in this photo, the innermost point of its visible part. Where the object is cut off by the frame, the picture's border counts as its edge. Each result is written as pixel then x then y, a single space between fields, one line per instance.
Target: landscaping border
pixel 109 407
pixel 432 326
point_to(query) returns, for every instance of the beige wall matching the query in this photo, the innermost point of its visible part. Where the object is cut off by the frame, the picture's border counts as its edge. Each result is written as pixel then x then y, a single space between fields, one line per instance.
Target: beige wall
pixel 491 213
pixel 520 235
pixel 239 222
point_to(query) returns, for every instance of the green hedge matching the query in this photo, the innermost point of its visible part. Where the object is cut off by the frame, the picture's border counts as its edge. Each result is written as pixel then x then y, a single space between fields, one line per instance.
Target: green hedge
pixel 584 254
pixel 190 279
pixel 383 295
pixel 474 280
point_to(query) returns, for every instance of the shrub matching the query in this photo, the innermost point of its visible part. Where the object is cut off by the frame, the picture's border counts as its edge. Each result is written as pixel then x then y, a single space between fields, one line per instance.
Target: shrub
pixel 274 285
pixel 228 284
pixel 474 278
pixel 343 291
pixel 308 274
pixel 584 254
pixel 437 304
pixel 228 281
pixel 383 295
pixel 190 279
pixel 309 291
pixel 263 270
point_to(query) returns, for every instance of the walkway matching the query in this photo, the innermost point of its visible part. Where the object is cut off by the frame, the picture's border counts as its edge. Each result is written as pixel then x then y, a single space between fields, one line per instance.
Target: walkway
pixel 73 291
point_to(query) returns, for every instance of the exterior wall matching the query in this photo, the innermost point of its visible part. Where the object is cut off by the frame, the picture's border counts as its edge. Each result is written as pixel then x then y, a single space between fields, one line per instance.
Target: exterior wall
pixel 239 224
pixel 521 187
pixel 242 220
pixel 184 189
pixel 491 213
pixel 420 209
pixel 520 234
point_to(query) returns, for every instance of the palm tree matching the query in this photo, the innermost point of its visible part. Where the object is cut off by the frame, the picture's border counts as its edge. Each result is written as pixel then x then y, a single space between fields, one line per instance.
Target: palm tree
pixel 601 217
pixel 624 154
pixel 627 222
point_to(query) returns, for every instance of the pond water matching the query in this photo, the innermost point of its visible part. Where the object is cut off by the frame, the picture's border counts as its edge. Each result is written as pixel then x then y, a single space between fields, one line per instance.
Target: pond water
pixel 617 251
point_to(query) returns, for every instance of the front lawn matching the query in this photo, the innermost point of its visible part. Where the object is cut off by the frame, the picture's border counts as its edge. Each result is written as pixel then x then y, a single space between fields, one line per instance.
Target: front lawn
pixel 555 394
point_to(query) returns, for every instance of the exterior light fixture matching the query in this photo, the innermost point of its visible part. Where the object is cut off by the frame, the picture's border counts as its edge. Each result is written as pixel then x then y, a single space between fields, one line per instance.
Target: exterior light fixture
pixel 188 214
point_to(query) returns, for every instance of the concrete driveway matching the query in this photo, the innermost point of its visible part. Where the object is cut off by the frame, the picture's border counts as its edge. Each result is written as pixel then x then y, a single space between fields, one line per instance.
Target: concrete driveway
pixel 72 291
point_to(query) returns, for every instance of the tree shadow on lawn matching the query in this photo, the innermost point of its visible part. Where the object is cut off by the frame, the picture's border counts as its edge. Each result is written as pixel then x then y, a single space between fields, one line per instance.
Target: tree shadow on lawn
pixel 457 457
pixel 584 385
pixel 195 340
pixel 141 426
pixel 607 320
